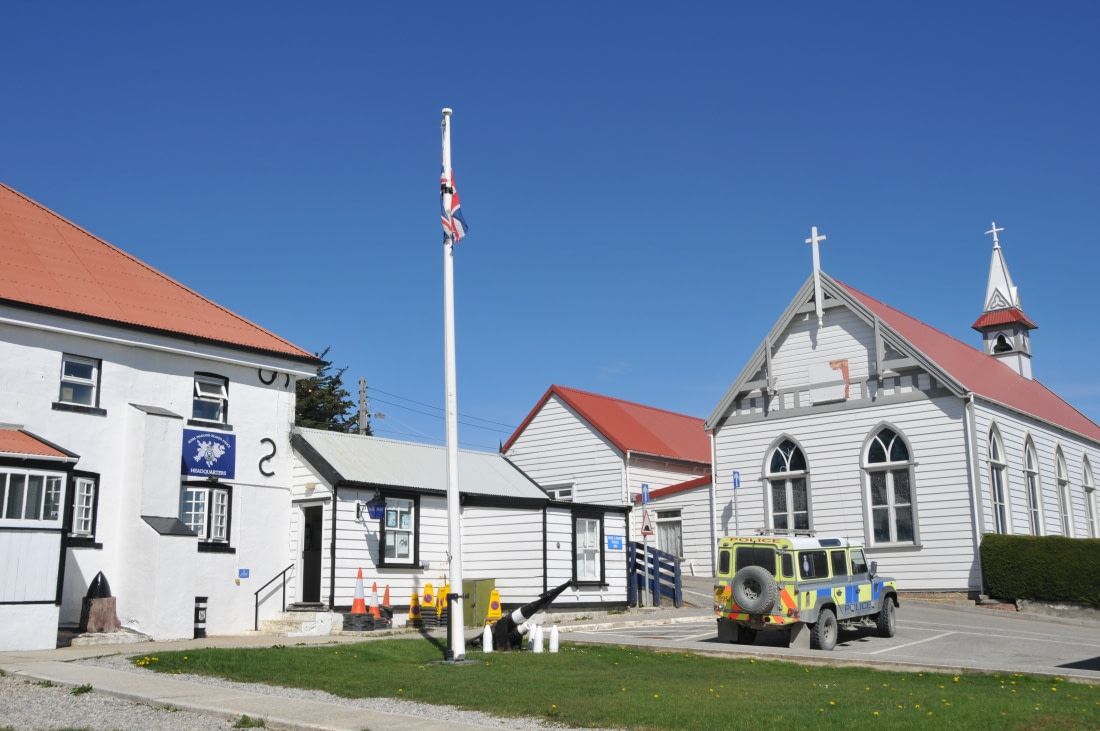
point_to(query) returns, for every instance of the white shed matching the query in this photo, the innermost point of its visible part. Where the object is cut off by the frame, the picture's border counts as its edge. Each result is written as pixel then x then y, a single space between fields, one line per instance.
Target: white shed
pixel 512 534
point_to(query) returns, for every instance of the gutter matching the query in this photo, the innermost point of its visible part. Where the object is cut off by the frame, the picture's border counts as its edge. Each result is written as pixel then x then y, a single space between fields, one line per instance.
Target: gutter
pixel 713 506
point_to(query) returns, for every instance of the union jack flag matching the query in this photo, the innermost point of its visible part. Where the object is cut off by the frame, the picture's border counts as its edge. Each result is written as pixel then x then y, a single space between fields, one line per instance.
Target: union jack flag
pixel 454 224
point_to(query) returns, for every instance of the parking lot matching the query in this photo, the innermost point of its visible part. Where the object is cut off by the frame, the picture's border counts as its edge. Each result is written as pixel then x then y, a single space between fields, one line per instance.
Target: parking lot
pixel 929 635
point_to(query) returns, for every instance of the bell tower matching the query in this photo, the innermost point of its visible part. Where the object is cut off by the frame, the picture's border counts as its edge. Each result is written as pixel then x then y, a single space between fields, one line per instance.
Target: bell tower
pixel 1004 326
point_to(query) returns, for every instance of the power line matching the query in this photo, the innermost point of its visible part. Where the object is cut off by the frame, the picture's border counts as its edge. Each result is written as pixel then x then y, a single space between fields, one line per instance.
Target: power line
pixel 509 427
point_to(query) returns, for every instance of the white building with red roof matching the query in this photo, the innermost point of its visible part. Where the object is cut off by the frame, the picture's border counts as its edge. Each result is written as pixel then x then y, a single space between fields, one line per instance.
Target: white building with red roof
pixel 144 433
pixel 853 418
pixel 586 448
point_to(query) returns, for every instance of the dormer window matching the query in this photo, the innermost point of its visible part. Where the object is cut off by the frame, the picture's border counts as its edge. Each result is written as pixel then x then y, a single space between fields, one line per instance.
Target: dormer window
pixel 1002 345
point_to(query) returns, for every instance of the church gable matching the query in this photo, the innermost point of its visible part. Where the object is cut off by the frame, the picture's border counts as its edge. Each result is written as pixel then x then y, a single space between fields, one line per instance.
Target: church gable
pixel 848 360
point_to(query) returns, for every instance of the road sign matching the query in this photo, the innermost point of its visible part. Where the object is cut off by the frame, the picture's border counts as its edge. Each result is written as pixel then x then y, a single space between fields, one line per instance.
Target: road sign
pixel 647 524
pixel 645 492
pixel 737 478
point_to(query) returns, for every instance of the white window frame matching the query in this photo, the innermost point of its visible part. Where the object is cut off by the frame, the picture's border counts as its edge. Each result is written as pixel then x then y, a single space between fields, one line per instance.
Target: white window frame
pixel 84 507
pixel 889 470
pixel 787 480
pixel 42 507
pixel 998 485
pixel 588 563
pixel 1061 477
pixel 561 493
pixel 211 389
pixel 1033 488
pixel 92 382
pixel 205 509
pixel 399 531
pixel 1089 488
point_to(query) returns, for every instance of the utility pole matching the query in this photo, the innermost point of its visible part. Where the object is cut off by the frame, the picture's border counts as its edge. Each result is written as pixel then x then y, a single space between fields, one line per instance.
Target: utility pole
pixel 362 405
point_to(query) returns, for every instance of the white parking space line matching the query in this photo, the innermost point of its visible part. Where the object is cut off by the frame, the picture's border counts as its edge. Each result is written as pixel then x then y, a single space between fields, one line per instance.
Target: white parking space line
pixel 700 635
pixel 910 644
pixel 1016 634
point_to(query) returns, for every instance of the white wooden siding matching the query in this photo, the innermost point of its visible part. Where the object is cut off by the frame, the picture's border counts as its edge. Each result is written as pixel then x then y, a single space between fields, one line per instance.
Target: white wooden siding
pixel 559 448
pixel 1014 430
pixel 694 505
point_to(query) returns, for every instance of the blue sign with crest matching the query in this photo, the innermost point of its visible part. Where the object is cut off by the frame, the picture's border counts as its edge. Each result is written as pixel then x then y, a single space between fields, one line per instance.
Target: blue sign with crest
pixel 209 454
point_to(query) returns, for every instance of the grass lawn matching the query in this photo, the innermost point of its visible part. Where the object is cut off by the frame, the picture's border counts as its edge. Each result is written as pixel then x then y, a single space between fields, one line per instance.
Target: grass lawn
pixel 605 686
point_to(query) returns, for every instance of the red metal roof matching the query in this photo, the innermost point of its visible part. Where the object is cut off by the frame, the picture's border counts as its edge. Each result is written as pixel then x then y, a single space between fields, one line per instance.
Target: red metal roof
pixel 1004 317
pixel 982 374
pixel 630 426
pixel 24 444
pixel 51 263
pixel 673 489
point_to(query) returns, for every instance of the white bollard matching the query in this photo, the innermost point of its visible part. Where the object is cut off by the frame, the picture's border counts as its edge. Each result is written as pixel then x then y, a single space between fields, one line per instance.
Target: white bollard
pixel 487 638
pixel 554 638
pixel 538 638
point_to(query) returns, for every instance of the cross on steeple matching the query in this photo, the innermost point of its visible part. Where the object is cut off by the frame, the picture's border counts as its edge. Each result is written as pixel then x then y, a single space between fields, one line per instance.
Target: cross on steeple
pixel 994 230
pixel 814 240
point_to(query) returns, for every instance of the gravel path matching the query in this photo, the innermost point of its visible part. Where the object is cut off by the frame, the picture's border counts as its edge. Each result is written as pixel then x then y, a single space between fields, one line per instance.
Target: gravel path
pixel 28 706
pixel 25 704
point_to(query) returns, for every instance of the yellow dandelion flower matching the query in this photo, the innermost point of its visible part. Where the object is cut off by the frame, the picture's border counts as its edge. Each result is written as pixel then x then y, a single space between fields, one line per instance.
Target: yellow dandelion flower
pixel 656 696
pixel 876 713
pixel 832 703
pixel 956 678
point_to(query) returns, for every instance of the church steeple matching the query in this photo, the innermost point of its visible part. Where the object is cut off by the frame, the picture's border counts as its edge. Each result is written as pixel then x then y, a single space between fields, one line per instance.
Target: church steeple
pixel 1003 324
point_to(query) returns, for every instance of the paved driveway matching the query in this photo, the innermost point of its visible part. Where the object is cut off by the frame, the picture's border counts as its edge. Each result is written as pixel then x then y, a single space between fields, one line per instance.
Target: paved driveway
pixel 929 636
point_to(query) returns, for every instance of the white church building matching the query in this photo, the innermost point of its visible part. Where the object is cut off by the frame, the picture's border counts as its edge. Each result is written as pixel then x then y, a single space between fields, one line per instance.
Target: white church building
pixel 853 418
pixel 144 433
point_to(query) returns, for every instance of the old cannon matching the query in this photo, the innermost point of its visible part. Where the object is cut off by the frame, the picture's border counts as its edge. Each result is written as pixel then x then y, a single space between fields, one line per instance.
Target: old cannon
pixel 509 630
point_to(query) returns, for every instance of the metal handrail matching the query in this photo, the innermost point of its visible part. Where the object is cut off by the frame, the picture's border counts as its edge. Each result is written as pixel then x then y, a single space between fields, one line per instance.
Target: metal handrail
pixel 256 616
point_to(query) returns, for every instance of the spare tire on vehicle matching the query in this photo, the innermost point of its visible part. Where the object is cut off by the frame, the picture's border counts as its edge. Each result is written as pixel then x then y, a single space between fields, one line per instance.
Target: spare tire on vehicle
pixel 754 589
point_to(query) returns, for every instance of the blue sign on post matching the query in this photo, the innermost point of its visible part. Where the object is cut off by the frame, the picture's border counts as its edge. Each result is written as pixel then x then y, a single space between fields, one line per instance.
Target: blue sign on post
pixel 736 478
pixel 242 573
pixel 645 492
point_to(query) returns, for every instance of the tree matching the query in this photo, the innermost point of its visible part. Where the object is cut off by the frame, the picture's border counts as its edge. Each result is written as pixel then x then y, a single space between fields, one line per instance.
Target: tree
pixel 323 402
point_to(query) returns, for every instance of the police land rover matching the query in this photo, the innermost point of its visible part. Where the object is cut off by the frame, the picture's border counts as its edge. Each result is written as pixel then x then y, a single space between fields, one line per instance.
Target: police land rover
pixel 802 585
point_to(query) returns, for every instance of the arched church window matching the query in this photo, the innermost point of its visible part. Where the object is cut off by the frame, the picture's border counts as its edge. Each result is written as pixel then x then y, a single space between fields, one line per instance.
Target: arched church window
pixel 1032 490
pixel 997 488
pixel 788 489
pixel 1061 475
pixel 889 471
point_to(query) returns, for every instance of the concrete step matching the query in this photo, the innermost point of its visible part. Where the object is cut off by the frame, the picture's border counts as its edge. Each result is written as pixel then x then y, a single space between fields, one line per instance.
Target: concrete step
pixel 294 624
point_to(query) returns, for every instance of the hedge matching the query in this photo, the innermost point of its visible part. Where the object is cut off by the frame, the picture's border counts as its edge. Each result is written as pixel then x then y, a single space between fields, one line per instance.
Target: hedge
pixel 1042 568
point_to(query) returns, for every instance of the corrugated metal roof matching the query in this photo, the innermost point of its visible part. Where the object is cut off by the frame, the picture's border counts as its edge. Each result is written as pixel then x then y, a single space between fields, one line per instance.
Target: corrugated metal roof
pixel 51 263
pixel 632 427
pixel 385 462
pixel 983 374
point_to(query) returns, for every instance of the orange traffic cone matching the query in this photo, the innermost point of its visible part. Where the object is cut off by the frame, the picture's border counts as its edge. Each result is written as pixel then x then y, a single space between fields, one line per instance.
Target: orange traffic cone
pixel 386 597
pixel 374 601
pixel 357 605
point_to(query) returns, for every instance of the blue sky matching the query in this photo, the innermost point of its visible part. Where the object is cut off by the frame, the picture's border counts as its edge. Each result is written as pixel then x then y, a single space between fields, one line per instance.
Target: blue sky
pixel 639 178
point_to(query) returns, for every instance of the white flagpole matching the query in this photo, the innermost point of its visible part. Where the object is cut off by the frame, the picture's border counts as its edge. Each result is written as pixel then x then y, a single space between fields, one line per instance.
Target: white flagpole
pixel 457 650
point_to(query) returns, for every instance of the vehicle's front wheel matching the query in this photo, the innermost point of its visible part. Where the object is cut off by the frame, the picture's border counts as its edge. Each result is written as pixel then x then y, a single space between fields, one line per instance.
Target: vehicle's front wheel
pixel 824 631
pixel 887 620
